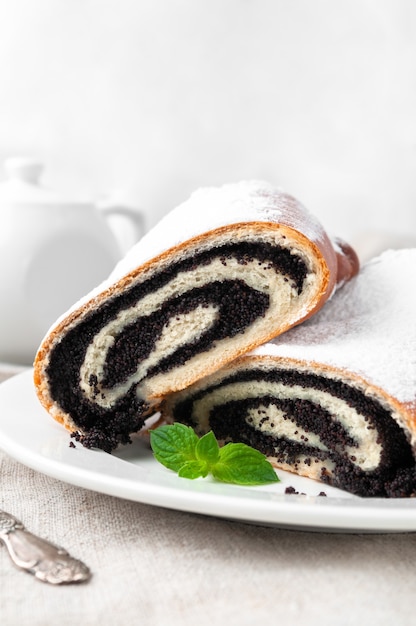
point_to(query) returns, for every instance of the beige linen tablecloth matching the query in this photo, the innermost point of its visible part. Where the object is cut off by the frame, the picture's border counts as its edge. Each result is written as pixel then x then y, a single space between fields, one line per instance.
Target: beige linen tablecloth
pixel 153 566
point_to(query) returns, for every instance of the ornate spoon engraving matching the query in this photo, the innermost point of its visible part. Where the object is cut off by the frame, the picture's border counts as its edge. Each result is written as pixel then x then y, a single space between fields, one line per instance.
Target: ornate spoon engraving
pixel 47 562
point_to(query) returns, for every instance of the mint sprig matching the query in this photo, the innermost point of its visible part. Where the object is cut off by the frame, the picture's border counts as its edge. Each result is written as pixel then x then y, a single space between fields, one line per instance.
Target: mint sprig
pixel 178 448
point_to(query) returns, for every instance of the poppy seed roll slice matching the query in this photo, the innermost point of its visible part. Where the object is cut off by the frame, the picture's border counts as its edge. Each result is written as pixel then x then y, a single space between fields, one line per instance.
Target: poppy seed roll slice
pixel 224 272
pixel 333 399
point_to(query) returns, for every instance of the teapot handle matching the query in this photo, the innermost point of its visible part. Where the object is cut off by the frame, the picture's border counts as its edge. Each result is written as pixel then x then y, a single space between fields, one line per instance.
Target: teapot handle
pixel 133 216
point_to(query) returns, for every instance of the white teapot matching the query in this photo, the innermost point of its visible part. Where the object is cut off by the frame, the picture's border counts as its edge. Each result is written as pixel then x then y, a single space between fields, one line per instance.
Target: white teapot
pixel 52 252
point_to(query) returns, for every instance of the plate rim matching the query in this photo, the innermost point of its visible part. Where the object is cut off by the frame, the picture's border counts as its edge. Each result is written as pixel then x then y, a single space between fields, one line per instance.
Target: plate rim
pixel 94 470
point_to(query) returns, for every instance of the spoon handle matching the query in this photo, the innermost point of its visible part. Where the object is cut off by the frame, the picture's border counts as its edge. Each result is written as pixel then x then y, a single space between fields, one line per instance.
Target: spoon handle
pixel 46 561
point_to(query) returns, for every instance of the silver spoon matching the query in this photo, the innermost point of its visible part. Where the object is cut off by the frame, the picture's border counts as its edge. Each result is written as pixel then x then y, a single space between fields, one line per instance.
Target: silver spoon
pixel 46 561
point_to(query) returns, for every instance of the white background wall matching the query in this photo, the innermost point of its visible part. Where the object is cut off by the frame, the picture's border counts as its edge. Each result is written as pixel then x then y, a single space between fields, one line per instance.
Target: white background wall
pixel 158 97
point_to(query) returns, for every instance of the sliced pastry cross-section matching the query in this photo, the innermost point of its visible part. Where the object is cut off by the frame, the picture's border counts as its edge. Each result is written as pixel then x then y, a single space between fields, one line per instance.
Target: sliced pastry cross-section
pixel 333 399
pixel 221 274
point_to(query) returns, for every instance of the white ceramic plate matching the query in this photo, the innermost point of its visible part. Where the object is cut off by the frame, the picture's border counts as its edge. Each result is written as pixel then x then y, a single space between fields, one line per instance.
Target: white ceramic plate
pixel 31 436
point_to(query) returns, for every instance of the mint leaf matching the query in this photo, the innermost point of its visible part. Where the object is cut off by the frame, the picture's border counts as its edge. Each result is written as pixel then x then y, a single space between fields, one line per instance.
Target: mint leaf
pixel 242 465
pixel 174 445
pixel 178 448
pixel 207 449
pixel 193 469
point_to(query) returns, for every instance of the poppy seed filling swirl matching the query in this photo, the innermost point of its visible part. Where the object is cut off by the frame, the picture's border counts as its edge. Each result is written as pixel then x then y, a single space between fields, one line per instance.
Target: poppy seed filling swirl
pixel 304 419
pixel 97 369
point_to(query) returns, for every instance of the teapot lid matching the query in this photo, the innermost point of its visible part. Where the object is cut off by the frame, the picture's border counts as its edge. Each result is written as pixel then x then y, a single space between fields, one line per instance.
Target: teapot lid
pixel 22 185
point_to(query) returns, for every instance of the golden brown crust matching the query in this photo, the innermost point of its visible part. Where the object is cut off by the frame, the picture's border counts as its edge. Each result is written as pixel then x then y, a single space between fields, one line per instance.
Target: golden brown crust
pixel 323 253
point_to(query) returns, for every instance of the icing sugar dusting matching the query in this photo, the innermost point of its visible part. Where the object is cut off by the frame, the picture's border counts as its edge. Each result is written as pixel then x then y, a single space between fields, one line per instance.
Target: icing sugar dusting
pixel 368 327
pixel 212 207
pixel 209 208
